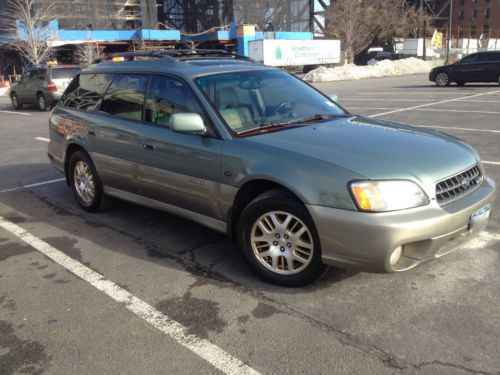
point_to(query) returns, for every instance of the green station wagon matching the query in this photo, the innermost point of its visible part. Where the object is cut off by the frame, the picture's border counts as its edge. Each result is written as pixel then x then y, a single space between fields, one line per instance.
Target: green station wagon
pixel 257 153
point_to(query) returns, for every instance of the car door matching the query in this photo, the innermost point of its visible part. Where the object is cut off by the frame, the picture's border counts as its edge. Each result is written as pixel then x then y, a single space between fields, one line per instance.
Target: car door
pixel 116 145
pixel 489 67
pixel 25 86
pixel 467 70
pixel 179 169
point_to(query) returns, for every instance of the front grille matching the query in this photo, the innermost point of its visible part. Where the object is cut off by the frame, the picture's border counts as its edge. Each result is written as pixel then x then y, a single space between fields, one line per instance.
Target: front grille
pixel 458 186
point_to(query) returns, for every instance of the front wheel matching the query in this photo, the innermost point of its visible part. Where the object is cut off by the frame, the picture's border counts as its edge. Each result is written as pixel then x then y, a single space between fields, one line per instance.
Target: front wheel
pixel 442 80
pixel 279 240
pixel 85 182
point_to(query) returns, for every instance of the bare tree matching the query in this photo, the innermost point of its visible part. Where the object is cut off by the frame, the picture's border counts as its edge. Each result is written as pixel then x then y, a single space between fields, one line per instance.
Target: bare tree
pixel 27 22
pixel 359 23
pixel 87 52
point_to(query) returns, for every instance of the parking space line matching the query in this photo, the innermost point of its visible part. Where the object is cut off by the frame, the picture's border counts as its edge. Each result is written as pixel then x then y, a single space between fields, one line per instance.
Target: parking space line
pixel 16 113
pixel 428 110
pixel 409 100
pixel 42 139
pixel 455 128
pixel 410 93
pixel 211 353
pixel 490 162
pixel 435 103
pixel 33 185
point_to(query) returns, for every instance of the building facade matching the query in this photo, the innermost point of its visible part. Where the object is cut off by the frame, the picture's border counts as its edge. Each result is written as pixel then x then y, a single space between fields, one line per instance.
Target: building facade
pixel 477 19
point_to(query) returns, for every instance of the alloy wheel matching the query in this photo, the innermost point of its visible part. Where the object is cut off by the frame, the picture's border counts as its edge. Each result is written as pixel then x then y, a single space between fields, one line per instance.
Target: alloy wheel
pixel 84 182
pixel 282 243
pixel 442 79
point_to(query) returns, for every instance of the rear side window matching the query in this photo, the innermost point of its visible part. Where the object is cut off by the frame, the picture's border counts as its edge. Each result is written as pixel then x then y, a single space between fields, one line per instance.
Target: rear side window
pixel 64 73
pixel 125 96
pixel 167 96
pixel 85 91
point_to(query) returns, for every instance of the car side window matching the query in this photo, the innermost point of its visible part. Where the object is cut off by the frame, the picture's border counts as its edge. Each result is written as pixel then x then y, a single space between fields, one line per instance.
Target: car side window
pixel 167 96
pixel 470 59
pixel 125 96
pixel 85 91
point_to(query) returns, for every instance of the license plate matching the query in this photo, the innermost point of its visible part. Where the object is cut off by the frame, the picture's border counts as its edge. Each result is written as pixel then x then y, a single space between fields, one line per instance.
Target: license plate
pixel 479 219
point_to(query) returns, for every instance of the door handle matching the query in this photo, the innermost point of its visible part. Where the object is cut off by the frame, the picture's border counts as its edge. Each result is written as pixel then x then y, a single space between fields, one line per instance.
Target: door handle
pixel 149 146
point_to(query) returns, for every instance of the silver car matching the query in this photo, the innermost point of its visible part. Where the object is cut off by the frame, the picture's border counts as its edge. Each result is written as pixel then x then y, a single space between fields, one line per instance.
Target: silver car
pixel 42 86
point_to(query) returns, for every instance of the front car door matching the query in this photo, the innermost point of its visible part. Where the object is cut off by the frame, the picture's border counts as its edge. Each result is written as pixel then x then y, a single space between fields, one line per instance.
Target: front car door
pixel 182 170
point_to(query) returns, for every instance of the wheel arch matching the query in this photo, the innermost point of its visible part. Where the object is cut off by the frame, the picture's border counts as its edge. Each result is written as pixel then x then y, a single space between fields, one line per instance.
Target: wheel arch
pixel 70 150
pixel 247 193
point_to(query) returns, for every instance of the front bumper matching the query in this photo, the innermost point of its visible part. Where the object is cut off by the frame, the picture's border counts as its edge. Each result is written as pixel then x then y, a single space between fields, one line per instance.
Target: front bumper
pixel 352 239
pixel 432 76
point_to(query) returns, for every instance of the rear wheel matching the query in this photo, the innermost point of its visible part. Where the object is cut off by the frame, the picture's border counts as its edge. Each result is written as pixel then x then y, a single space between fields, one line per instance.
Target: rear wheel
pixel 279 240
pixel 442 79
pixel 85 182
pixel 16 104
pixel 42 102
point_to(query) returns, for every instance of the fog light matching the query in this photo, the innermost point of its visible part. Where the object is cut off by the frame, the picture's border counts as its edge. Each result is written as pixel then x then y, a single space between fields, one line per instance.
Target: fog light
pixel 395 256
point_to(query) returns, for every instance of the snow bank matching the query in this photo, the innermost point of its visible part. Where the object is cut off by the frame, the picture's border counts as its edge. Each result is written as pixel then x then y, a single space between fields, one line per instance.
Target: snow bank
pixel 4 91
pixel 375 69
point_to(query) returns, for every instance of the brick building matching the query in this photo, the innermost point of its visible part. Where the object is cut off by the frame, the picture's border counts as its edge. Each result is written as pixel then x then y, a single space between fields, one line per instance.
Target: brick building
pixel 476 19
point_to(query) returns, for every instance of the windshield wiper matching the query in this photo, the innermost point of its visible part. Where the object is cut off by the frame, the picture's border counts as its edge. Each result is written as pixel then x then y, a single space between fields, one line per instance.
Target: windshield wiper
pixel 270 126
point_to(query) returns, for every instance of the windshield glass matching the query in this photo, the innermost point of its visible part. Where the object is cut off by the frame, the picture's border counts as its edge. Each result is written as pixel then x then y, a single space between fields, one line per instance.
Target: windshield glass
pixel 258 99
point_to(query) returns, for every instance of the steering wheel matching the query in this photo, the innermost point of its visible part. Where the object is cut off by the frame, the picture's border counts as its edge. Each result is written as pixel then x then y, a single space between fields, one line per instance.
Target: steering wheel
pixel 283 107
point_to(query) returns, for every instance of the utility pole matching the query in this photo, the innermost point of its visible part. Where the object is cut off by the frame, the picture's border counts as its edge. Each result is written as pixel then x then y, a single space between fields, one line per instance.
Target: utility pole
pixel 422 26
pixel 448 41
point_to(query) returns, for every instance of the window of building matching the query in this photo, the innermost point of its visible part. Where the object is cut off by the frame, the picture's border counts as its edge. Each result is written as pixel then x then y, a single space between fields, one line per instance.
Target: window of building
pixel 125 96
pixel 167 96
pixel 486 13
pixel 474 14
pixel 461 2
pixel 85 91
pixel 461 15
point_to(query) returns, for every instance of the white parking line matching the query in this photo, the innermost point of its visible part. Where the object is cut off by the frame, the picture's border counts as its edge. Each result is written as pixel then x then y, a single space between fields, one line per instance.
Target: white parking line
pixel 201 347
pixel 411 93
pixel 425 110
pixel 455 128
pixel 16 113
pixel 410 100
pixel 490 162
pixel 42 139
pixel 33 185
pixel 435 103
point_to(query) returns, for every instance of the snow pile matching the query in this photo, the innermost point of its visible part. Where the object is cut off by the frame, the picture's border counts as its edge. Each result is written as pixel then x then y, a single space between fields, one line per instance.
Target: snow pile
pixel 375 69
pixel 4 91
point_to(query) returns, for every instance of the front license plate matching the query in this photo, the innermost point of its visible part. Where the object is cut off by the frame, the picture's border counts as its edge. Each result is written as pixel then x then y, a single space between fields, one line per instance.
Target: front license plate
pixel 479 219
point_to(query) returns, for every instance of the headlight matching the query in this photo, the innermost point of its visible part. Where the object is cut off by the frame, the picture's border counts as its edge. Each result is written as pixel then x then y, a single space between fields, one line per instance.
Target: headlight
pixel 387 195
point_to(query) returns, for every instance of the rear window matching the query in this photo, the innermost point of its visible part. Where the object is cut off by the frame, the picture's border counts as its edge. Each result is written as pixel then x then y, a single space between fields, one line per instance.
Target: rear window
pixel 64 73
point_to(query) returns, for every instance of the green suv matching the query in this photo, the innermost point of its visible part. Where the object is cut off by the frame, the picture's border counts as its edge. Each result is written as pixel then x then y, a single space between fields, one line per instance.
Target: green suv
pixel 254 152
pixel 42 85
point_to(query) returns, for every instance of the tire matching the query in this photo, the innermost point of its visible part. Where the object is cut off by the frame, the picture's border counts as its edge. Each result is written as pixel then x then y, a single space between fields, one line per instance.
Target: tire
pixel 290 264
pixel 16 103
pixel 85 182
pixel 460 83
pixel 42 102
pixel 442 79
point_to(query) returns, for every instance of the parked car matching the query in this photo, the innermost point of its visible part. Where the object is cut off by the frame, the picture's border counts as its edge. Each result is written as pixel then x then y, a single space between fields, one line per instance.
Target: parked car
pixel 42 85
pixel 477 67
pixel 259 154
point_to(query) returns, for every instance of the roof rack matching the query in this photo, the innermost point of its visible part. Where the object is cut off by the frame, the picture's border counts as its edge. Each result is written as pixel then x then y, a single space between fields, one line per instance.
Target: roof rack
pixel 173 54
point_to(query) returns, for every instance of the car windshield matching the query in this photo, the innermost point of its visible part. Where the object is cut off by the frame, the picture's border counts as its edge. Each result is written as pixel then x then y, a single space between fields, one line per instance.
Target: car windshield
pixel 258 100
pixel 64 73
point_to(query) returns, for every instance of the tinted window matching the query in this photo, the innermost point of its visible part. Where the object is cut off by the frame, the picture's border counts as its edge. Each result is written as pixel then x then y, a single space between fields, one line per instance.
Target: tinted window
pixel 470 59
pixel 167 96
pixel 64 73
pixel 85 91
pixel 125 96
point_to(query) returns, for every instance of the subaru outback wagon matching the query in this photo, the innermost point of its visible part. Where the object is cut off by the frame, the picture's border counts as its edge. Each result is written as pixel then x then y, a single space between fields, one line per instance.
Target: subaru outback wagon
pixel 257 153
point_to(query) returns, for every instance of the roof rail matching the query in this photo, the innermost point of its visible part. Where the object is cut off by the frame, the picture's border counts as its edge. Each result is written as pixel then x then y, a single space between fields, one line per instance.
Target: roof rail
pixel 173 54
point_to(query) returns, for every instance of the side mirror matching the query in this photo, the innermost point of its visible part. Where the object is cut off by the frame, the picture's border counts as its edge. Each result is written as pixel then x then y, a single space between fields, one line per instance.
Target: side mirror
pixel 334 97
pixel 190 123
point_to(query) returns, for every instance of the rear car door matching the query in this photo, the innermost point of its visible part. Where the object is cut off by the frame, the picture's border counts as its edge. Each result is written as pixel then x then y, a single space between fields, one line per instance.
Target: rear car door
pixel 179 169
pixel 116 144
pixel 486 67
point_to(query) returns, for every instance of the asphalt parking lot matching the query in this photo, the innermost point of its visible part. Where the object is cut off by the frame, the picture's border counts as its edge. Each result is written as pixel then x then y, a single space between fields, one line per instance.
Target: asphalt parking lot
pixel 156 294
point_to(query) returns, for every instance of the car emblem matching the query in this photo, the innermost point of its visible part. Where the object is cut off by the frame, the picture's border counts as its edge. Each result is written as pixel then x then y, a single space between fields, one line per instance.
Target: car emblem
pixel 465 182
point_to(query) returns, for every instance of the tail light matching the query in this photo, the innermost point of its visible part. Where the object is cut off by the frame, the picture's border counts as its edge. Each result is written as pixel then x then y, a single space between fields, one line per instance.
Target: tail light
pixel 51 86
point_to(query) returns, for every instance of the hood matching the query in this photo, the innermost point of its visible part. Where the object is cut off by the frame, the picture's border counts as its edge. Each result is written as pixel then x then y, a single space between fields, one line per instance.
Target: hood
pixel 376 149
